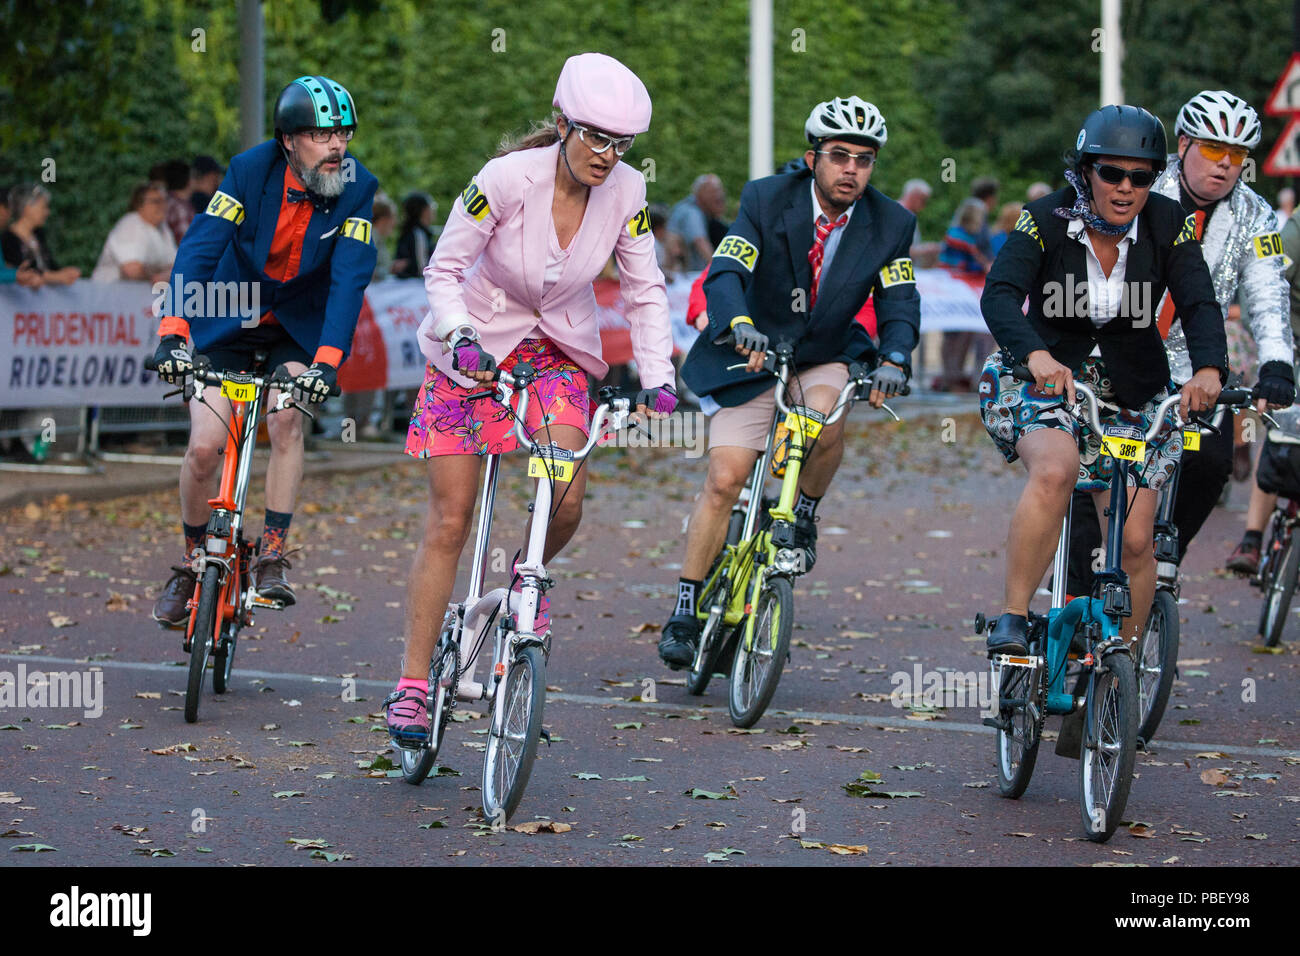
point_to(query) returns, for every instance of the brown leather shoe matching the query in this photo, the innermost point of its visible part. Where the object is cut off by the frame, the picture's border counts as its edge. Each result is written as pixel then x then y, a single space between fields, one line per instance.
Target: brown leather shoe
pixel 170 609
pixel 269 581
pixel 1244 560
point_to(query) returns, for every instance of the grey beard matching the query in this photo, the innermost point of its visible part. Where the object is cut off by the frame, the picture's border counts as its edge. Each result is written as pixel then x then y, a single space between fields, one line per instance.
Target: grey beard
pixel 328 185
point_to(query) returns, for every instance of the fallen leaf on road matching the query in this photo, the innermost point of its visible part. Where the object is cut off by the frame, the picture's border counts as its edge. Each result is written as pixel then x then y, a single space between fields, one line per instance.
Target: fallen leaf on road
pixel 33 848
pixel 282 794
pixel 845 849
pixel 695 793
pixel 585 776
pixel 543 826
pixel 175 749
pixel 1215 778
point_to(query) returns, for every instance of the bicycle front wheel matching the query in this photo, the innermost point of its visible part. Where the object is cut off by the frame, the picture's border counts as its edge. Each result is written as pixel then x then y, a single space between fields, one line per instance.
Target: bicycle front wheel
pixel 1277 595
pixel 756 669
pixel 1110 745
pixel 512 737
pixel 1157 660
pixel 201 641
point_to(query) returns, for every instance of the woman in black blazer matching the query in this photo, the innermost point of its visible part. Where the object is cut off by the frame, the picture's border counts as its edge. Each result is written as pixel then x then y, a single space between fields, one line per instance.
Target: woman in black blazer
pixel 1094 261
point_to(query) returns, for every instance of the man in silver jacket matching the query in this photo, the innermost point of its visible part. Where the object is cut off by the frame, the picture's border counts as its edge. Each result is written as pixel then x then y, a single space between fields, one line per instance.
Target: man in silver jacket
pixel 1238 233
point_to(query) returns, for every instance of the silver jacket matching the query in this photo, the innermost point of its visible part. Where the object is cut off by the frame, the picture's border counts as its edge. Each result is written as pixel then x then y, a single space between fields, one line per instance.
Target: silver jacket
pixel 1237 267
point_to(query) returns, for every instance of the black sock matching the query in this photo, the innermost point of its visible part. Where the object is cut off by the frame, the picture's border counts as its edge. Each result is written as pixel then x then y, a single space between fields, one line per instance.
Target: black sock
pixel 806 507
pixel 686 591
pixel 1252 537
pixel 193 537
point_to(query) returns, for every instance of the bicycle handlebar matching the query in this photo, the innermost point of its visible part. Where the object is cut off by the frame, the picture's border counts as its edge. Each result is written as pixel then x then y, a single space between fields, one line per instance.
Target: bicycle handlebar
pixel 1227 397
pixel 203 371
pixel 506 384
pixel 778 360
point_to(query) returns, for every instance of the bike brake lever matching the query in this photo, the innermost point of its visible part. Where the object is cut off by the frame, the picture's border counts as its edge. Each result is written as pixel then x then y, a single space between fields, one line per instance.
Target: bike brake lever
pixel 1200 422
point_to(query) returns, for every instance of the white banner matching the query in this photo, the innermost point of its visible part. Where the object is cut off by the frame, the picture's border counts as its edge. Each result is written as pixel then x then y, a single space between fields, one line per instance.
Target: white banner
pixel 83 344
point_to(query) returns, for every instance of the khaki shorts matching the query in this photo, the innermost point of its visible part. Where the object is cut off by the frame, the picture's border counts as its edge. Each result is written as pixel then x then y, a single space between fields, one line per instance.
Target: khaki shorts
pixel 746 426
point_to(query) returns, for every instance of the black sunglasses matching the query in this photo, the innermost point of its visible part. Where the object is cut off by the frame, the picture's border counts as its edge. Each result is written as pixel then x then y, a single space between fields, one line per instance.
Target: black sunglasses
pixel 1140 178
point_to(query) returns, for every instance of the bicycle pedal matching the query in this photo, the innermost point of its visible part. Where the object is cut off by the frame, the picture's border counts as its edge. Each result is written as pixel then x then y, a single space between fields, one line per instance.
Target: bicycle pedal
pixel 996 723
pixel 271 603
pixel 1016 660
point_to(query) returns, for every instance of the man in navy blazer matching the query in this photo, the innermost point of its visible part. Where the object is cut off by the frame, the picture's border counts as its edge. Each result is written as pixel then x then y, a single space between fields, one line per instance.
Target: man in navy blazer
pixel 804 254
pixel 277 263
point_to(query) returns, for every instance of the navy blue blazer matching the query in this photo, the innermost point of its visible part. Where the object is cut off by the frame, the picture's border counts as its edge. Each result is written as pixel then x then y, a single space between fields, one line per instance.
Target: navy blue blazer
pixel 761 270
pixel 231 239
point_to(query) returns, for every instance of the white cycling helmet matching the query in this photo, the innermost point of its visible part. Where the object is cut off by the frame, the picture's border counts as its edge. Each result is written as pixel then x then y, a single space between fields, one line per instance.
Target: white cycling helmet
pixel 1218 115
pixel 846 117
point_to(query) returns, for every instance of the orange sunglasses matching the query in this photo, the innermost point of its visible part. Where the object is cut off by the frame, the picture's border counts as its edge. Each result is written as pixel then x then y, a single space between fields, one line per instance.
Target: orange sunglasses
pixel 1214 152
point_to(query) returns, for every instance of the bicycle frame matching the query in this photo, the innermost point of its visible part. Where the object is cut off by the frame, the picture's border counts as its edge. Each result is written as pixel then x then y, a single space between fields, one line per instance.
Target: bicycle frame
pixel 478 611
pixel 223 540
pixel 773 548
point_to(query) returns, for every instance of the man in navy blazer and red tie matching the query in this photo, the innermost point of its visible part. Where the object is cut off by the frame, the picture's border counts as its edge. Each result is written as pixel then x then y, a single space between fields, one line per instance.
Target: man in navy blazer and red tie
pixel 803 256
pixel 288 231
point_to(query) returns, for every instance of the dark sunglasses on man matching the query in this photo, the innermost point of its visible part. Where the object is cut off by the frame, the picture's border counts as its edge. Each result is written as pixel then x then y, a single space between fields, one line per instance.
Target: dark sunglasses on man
pixel 1140 178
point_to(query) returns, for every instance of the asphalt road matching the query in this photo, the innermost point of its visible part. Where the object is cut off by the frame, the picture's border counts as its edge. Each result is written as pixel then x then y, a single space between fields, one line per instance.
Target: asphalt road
pixel 910 548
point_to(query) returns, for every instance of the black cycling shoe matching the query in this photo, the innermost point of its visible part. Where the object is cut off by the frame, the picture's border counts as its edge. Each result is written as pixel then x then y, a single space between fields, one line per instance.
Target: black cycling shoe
pixel 1009 635
pixel 681 638
pixel 805 536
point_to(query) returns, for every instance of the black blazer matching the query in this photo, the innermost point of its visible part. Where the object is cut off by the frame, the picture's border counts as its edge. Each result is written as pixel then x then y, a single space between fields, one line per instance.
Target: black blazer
pixel 1041 261
pixel 761 270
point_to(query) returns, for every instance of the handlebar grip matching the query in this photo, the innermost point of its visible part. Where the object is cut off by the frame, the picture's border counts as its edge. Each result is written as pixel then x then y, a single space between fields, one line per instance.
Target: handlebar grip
pixel 1234 396
pixel 1021 373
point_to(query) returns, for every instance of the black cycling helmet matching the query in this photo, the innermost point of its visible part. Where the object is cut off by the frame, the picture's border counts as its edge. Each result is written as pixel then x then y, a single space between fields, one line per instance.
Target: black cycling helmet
pixel 313 102
pixel 1122 131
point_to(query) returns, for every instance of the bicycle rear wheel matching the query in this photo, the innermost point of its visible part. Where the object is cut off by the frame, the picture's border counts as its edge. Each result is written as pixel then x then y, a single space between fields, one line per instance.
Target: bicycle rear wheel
pixel 443 670
pixel 714 633
pixel 756 670
pixel 1278 592
pixel 1110 745
pixel 1157 661
pixel 1020 706
pixel 513 734
pixel 223 659
pixel 205 622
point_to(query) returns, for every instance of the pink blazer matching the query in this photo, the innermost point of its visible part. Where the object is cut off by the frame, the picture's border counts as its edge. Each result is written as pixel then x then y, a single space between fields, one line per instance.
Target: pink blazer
pixel 490 261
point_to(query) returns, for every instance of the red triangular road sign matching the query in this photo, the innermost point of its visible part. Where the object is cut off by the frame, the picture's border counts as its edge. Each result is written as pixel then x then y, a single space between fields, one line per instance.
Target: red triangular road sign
pixel 1285 97
pixel 1284 160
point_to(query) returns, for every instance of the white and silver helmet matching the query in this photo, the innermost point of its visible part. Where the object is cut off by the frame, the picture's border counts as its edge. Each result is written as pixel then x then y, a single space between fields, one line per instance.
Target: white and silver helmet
pixel 846 117
pixel 1220 116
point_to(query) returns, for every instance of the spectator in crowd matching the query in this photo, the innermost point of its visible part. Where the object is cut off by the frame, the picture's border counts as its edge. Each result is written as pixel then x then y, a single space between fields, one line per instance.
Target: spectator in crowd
pixel 688 223
pixel 174 174
pixel 205 176
pixel 139 247
pixel 384 221
pixel 415 242
pixel 24 240
pixel 1037 191
pixel 1006 221
pixel 659 214
pixel 915 197
pixel 985 189
pixel 23 274
pixel 961 254
pixel 1285 205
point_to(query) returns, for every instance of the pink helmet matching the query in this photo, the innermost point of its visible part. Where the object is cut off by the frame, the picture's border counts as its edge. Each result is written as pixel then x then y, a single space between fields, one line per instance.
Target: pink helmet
pixel 597 90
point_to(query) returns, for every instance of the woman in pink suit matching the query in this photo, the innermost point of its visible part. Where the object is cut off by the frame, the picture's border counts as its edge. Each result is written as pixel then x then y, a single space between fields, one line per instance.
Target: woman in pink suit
pixel 510 279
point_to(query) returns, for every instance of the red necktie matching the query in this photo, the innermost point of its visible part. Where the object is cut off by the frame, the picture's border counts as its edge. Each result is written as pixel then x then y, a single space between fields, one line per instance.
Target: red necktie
pixel 1166 317
pixel 818 250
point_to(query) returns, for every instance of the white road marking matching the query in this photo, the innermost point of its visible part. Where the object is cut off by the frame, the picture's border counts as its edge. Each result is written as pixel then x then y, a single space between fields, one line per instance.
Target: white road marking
pixel 861 720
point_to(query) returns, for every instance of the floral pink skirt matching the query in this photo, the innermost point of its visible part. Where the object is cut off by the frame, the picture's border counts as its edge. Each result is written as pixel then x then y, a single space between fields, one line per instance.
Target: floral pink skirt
pixel 443 423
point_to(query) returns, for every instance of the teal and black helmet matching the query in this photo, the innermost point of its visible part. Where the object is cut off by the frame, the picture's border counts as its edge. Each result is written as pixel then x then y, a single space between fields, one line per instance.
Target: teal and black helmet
pixel 313 102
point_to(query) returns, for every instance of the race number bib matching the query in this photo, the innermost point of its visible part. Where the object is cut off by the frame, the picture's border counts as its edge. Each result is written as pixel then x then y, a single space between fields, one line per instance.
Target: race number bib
pixel 1269 244
pixel 225 207
pixel 358 229
pixel 808 422
pixel 1125 442
pixel 639 225
pixel 734 247
pixel 1191 440
pixel 476 204
pixel 552 462
pixel 897 272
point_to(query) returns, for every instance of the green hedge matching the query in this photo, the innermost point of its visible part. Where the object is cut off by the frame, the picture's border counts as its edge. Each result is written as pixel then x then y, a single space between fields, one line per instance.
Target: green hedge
pixel 106 88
